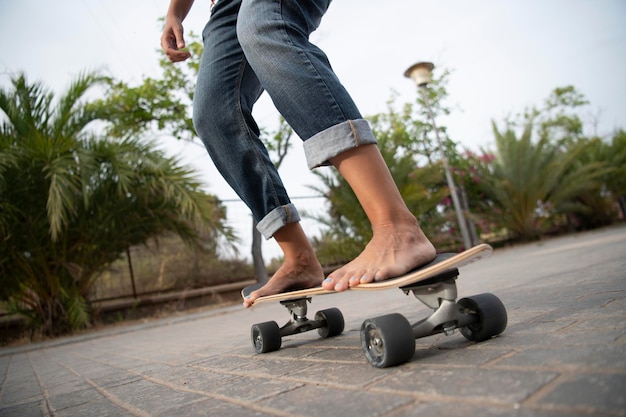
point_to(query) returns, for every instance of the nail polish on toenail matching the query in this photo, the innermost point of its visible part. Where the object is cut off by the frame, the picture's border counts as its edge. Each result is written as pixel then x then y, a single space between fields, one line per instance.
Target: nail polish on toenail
pixel 247 297
pixel 378 278
pixel 328 280
pixel 353 279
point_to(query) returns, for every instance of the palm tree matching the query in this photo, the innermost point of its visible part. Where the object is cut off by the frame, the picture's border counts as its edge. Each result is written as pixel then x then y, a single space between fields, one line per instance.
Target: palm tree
pixel 72 202
pixel 529 183
pixel 616 156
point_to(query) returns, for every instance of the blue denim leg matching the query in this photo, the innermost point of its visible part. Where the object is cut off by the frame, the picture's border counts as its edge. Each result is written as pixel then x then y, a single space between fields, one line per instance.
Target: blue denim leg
pixel 335 140
pixel 251 45
pixel 298 76
pixel 226 90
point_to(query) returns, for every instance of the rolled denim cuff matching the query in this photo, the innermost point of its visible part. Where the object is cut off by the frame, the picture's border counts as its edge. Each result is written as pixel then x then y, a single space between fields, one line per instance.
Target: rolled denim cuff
pixel 276 219
pixel 335 140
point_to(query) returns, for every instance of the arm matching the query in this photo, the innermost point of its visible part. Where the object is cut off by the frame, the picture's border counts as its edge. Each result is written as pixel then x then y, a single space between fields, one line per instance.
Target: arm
pixel 172 39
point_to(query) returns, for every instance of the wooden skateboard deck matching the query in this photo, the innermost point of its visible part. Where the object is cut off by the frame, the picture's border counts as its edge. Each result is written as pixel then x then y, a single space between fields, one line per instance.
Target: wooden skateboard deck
pixel 441 263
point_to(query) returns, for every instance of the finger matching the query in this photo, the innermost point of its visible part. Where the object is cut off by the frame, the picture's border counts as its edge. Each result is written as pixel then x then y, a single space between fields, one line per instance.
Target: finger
pixel 177 56
pixel 169 46
pixel 177 31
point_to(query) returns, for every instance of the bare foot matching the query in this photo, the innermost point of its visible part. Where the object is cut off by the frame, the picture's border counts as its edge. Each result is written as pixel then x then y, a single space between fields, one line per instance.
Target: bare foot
pixel 393 251
pixel 298 274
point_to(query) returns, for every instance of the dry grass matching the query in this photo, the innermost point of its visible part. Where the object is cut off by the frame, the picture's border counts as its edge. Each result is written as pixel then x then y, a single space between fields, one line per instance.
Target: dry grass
pixel 167 266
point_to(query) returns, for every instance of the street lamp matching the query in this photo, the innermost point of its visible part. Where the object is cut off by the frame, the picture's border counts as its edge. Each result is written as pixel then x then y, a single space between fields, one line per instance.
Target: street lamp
pixel 421 74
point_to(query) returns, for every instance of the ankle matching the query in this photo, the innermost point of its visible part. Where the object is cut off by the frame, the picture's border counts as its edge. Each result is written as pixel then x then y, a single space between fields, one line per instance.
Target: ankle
pixel 398 222
pixel 304 258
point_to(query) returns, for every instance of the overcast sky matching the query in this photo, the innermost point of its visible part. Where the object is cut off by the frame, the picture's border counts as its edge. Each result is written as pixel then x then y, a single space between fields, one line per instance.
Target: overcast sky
pixel 504 55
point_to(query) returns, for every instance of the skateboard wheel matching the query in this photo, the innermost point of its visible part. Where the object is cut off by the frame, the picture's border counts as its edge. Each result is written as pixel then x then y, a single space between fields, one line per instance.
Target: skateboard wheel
pixel 334 322
pixel 265 337
pixel 387 340
pixel 490 313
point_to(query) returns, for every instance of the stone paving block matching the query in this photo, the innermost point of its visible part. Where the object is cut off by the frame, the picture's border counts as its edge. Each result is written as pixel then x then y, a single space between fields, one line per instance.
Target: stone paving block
pixel 151 369
pixel 604 393
pixel 65 388
pixel 339 374
pixel 152 398
pixel 212 407
pixel 543 325
pixel 4 366
pixel 472 355
pixel 456 409
pixel 522 316
pixel 352 355
pixel 242 349
pixel 252 389
pixel 593 337
pixel 347 339
pixel 524 339
pixel 114 379
pixel 94 409
pixel 294 349
pixel 76 398
pixel 609 321
pixel 316 401
pixel 27 409
pixel 493 385
pixel 219 363
pixel 610 357
pixel 21 391
pixel 267 365
pixel 200 380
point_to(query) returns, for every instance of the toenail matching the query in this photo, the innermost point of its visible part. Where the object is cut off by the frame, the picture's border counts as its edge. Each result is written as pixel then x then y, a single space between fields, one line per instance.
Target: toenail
pixel 354 279
pixel 328 279
pixel 378 278
pixel 247 297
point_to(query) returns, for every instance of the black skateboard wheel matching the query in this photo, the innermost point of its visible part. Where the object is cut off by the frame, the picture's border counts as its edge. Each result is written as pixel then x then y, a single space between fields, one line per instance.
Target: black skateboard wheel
pixel 334 322
pixel 387 340
pixel 265 337
pixel 491 317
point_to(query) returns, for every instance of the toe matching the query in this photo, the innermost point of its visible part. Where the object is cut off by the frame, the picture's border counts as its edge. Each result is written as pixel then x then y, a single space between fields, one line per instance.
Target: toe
pixel 249 300
pixel 342 285
pixel 365 279
pixel 329 283
pixel 354 281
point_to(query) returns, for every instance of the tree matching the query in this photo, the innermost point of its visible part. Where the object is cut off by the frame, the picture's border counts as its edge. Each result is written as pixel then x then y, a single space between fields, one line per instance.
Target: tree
pixel 615 182
pixel 157 105
pixel 530 183
pixel 72 201
pixel 547 176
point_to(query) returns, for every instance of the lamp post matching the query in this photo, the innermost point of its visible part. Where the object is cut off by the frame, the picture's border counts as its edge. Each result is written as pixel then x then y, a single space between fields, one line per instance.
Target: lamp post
pixel 421 74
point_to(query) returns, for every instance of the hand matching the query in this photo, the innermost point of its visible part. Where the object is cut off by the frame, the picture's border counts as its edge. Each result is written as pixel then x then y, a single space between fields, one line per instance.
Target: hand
pixel 172 40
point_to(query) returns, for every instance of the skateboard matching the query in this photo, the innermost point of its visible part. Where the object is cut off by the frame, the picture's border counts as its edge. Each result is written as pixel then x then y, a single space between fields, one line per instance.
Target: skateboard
pixel 390 339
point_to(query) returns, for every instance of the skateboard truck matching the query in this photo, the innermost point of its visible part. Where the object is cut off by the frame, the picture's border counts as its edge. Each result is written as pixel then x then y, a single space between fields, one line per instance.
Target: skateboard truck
pixel 390 340
pixel 299 323
pixel 441 297
pixel 267 337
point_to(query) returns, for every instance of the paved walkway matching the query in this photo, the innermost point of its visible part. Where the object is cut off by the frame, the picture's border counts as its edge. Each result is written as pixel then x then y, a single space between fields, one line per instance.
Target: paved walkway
pixel 563 353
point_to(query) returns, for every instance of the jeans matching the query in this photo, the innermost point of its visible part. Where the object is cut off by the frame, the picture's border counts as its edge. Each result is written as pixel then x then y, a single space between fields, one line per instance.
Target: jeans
pixel 251 46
